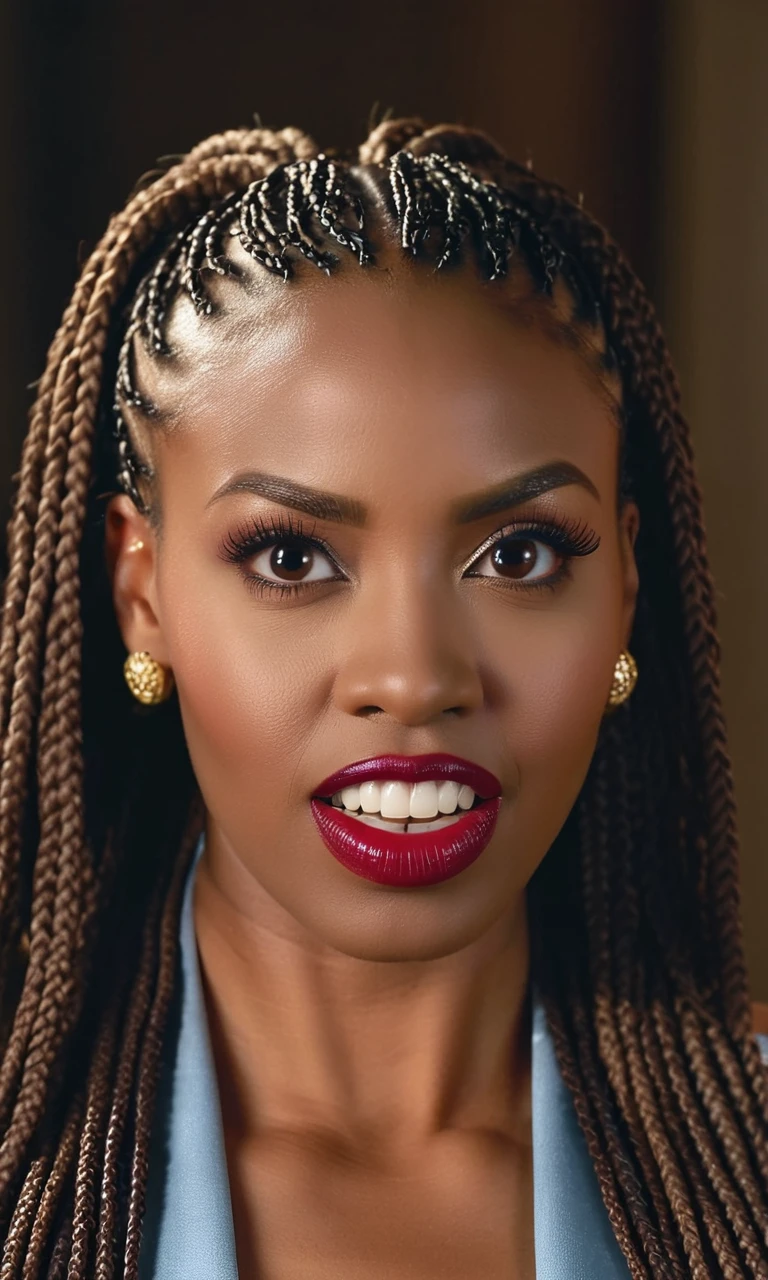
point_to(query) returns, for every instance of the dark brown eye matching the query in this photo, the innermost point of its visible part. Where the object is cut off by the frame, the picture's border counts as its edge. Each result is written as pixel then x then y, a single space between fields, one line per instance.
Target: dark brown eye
pixel 292 560
pixel 514 559
pixel 519 559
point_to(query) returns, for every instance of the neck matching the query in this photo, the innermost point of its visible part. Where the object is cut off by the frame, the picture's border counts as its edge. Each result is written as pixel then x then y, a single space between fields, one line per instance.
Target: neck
pixel 380 1055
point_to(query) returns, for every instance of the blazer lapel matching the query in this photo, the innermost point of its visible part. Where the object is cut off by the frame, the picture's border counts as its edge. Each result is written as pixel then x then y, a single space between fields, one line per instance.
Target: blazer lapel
pixel 188 1231
pixel 572 1232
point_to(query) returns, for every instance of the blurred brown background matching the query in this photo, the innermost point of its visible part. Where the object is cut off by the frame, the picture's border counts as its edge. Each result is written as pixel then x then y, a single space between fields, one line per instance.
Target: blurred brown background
pixel 654 109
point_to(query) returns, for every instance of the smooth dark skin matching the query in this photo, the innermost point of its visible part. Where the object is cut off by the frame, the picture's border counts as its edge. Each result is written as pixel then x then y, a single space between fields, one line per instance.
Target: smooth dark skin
pixel 372 1044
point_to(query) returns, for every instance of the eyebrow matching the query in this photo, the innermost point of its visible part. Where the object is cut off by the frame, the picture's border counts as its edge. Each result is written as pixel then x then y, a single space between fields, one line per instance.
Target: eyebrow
pixel 519 489
pixel 341 510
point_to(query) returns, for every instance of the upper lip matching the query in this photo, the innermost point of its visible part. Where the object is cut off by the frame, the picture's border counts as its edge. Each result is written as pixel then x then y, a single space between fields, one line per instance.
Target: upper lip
pixel 437 765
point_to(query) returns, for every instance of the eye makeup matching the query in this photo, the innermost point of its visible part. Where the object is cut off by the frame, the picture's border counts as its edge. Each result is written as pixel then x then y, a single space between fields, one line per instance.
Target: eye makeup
pixel 257 534
pixel 565 539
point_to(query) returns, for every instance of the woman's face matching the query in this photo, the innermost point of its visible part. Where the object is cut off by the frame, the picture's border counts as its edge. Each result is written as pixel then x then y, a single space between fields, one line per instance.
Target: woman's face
pixel 404 395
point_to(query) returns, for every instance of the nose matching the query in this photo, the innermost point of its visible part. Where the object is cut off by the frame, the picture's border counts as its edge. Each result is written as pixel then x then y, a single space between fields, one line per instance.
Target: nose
pixel 410 654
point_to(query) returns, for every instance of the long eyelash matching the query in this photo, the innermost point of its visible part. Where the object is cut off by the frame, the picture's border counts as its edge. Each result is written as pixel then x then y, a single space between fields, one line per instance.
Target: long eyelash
pixel 258 532
pixel 571 538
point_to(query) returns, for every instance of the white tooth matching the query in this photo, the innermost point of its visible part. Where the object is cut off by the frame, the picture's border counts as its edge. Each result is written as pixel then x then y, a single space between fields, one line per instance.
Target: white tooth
pixel 395 800
pixel 424 800
pixel 447 797
pixel 370 797
pixel 351 797
pixel 466 797
pixel 385 824
pixel 337 800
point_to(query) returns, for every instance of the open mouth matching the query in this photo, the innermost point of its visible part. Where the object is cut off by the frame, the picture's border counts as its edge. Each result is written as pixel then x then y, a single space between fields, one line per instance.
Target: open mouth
pixel 409 809
pixel 392 844
pixel 407 821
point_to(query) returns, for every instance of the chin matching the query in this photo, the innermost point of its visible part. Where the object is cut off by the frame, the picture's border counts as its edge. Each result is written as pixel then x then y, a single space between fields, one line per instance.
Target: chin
pixel 397 925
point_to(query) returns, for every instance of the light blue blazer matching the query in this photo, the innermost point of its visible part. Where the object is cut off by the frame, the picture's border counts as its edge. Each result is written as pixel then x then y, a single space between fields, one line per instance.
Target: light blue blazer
pixel 188 1229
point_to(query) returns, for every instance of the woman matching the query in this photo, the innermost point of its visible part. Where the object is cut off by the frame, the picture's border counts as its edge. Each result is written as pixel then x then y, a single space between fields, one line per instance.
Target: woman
pixel 384 919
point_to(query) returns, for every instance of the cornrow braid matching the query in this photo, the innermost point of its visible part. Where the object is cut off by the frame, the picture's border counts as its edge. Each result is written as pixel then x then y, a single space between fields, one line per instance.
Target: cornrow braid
pixel 100 810
pixel 290 214
pixel 270 219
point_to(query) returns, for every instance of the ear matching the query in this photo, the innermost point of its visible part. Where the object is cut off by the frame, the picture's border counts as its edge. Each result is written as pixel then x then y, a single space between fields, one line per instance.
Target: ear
pixel 629 525
pixel 130 549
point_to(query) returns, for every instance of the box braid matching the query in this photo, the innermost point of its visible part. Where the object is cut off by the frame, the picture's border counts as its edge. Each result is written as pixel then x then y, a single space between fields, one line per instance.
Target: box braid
pixel 635 910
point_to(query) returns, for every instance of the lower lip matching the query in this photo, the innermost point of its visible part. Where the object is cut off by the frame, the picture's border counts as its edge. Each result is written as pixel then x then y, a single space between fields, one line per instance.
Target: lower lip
pixel 399 858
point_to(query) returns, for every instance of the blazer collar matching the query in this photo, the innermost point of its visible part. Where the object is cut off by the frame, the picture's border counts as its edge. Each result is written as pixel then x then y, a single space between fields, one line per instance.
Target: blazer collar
pixel 188 1227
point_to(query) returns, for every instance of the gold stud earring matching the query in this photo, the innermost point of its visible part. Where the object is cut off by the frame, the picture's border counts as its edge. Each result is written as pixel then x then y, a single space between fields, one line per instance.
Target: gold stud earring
pixel 624 679
pixel 148 680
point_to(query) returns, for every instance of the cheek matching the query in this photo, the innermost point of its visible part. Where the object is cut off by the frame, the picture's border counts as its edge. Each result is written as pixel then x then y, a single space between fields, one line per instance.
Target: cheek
pixel 561 696
pixel 558 668
pixel 250 688
pixel 561 684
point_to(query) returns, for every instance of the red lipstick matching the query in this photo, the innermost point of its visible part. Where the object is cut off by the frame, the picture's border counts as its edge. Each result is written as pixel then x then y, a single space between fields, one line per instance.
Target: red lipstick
pixel 409 859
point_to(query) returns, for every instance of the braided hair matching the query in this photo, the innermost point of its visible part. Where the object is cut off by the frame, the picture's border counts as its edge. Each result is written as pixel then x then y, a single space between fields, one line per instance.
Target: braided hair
pixel 635 909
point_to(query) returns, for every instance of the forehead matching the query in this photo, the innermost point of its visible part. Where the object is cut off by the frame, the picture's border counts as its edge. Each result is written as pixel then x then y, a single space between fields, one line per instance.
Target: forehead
pixel 415 369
